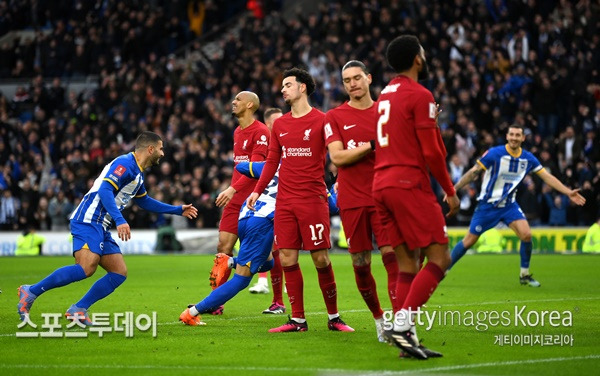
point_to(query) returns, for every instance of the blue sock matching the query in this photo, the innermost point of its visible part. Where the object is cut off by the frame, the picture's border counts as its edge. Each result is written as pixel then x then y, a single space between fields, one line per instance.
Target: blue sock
pixel 60 277
pixel 458 252
pixel 525 253
pixel 223 293
pixel 268 265
pixel 101 289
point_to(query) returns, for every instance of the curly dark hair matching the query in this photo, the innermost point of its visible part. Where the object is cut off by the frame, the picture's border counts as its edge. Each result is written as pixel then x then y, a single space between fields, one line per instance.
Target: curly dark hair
pixel 303 77
pixel 401 52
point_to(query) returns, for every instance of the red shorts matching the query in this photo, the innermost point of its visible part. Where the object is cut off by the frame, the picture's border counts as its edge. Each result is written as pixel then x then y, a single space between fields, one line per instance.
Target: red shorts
pixel 229 218
pixel 360 224
pixel 302 226
pixel 411 216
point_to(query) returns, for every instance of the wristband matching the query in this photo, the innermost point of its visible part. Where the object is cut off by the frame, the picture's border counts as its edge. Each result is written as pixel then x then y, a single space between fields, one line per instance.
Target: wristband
pixel 372 145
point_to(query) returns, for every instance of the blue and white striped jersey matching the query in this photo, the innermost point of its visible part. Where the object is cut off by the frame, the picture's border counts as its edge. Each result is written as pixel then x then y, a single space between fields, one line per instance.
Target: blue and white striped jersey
pixel 265 205
pixel 503 173
pixel 126 176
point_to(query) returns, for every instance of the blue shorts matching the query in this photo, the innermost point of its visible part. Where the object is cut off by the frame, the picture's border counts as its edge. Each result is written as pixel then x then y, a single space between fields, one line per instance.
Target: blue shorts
pixel 256 241
pixel 93 237
pixel 487 216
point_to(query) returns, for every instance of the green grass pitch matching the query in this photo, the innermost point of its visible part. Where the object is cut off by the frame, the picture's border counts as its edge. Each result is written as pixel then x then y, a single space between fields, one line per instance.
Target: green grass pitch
pixel 238 341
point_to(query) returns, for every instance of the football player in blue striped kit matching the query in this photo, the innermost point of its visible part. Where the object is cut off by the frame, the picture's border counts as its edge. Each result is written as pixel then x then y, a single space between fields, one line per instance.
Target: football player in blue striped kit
pixel 505 167
pixel 121 181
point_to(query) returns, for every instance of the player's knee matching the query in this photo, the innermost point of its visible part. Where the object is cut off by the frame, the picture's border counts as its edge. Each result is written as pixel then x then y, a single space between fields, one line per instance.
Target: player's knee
pixel 321 260
pixel 89 270
pixel 526 237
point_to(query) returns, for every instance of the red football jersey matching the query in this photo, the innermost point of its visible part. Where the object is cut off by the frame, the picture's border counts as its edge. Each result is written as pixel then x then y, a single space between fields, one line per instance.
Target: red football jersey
pixel 403 106
pixel 299 143
pixel 353 127
pixel 249 144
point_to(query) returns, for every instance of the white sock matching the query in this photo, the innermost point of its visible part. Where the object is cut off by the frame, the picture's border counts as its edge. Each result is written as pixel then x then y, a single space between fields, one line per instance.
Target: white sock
pixel 402 321
pixel 299 321
pixel 194 311
pixel 333 316
pixel 524 272
pixel 263 281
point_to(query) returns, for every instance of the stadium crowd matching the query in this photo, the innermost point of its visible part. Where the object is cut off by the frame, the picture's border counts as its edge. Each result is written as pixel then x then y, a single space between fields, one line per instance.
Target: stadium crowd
pixel 492 63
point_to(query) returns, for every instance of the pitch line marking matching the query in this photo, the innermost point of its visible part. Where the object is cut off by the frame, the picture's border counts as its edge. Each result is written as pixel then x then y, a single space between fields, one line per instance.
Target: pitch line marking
pixel 316 370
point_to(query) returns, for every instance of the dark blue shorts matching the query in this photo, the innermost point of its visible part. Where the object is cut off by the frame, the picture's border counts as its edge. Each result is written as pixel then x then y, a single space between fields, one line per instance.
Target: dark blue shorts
pixel 487 216
pixel 256 240
pixel 94 237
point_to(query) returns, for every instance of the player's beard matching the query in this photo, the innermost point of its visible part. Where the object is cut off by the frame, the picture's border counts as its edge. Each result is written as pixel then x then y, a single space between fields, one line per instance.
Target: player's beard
pixel 155 159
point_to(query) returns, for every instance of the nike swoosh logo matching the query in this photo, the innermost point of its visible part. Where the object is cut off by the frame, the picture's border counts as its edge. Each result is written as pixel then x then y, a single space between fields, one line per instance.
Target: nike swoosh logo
pixel 346 127
pixel 283 134
pixel 317 243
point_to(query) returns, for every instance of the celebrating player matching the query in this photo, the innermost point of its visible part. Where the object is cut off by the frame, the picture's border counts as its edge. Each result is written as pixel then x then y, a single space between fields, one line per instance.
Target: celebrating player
pixel 119 182
pixel 505 167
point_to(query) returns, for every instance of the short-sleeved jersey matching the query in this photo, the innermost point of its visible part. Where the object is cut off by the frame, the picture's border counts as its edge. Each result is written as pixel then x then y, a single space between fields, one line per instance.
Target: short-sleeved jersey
pixel 249 144
pixel 503 173
pixel 404 106
pixel 299 143
pixel 265 205
pixel 353 127
pixel 126 176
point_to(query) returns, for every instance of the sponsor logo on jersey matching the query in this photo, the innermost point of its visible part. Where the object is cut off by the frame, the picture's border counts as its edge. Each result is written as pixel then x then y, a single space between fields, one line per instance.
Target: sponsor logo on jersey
pixel 346 127
pixel 245 144
pixel 351 145
pixel 283 134
pixel 262 141
pixel 296 152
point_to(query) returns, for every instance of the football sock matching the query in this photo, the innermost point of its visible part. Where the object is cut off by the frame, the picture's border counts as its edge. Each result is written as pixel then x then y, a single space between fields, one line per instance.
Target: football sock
pixel 423 286
pixel 268 265
pixel 101 289
pixel 276 281
pixel 60 277
pixel 458 252
pixel 391 267
pixel 295 288
pixel 223 293
pixel 332 316
pixel 403 287
pixel 328 288
pixel 367 288
pixel 525 255
pixel 262 275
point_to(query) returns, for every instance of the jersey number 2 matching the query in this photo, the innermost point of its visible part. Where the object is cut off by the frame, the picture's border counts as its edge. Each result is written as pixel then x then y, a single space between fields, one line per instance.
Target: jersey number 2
pixel 384 116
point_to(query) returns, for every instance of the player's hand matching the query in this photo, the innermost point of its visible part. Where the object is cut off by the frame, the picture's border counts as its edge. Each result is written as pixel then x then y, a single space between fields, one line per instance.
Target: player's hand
pixel 124 232
pixel 189 211
pixel 335 187
pixel 252 201
pixel 453 203
pixel 576 197
pixel 224 197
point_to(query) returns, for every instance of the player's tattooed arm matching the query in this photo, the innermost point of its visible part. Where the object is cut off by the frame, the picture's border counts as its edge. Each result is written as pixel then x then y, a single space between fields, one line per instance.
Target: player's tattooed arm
pixel 470 176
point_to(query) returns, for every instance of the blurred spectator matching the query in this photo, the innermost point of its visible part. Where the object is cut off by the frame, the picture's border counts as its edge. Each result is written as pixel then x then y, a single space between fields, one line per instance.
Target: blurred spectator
pixel 60 209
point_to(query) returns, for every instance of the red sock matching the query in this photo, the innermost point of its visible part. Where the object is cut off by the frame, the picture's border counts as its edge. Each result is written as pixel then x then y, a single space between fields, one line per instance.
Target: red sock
pixel 262 275
pixel 328 288
pixel 423 286
pixel 403 284
pixel 276 280
pixel 391 266
pixel 368 289
pixel 295 288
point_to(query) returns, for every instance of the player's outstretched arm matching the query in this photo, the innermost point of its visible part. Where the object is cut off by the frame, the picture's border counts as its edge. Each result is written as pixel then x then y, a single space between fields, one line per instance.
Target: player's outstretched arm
pixel 189 211
pixel 148 203
pixel 469 176
pixel 553 182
